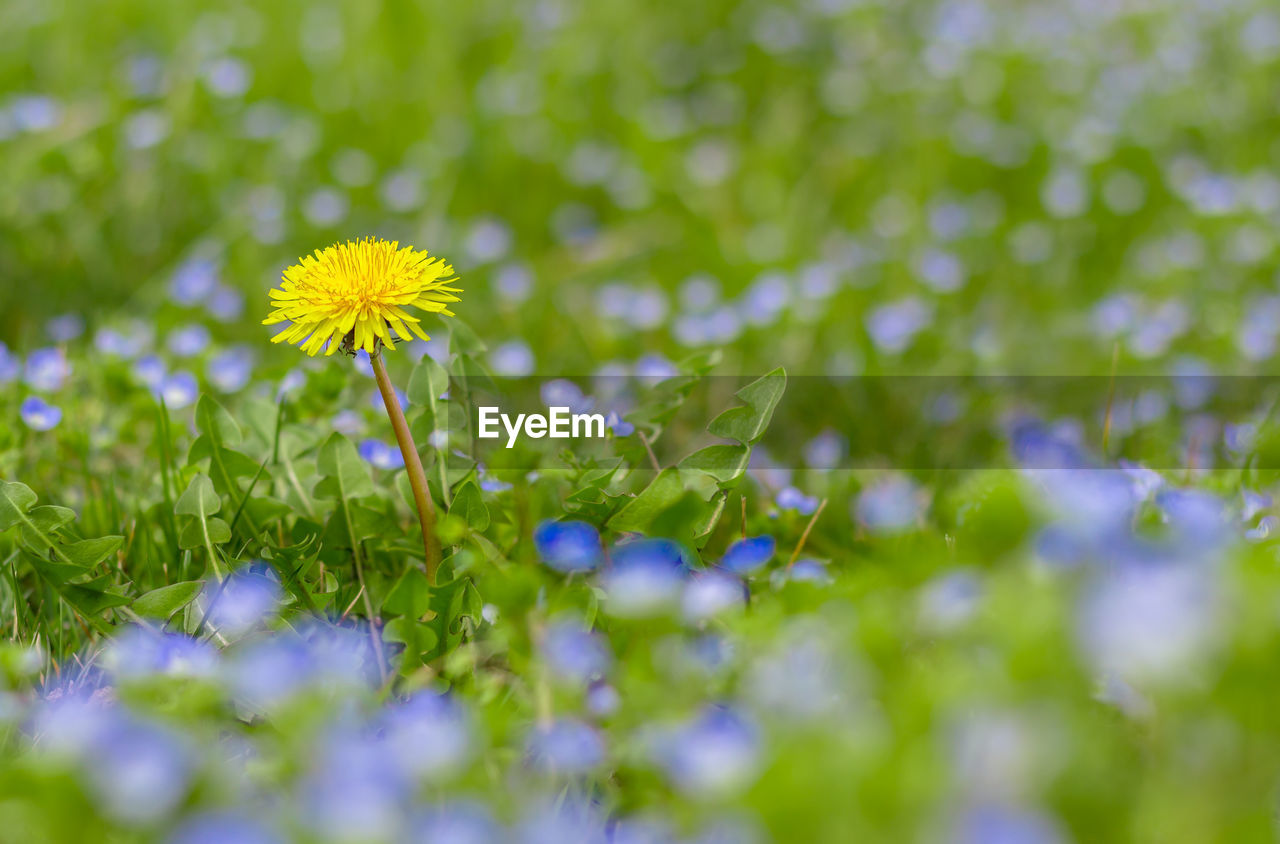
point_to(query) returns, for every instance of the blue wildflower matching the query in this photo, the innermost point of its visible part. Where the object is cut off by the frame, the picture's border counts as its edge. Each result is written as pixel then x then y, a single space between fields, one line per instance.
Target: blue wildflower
pixel 193 281
pixel 179 390
pixel 715 753
pixel 39 415
pixel 456 823
pixel 138 772
pixel 187 341
pixel 710 593
pixel 791 498
pixel 747 555
pixel 244 600
pixel 575 654
pixel 383 456
pixel 619 426
pixel 429 735
pixel 565 747
pixel 65 328
pixel 230 371
pixel 226 304
pixel 892 504
pixel 150 371
pixel 223 828
pixel 568 546
pixel 47 369
pixel 10 365
pixel 644 579
pixel 513 358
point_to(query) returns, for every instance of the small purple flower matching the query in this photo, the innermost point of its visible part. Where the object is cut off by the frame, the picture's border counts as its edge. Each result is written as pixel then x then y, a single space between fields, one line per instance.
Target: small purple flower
pixel 429 735
pixel 791 498
pixel 65 328
pixel 223 828
pixel 514 282
pixel 140 652
pixel 889 505
pixel 513 358
pixel 825 451
pixel 645 578
pixel 293 381
pixel 1198 518
pixel 243 601
pixel 894 326
pixel 565 747
pixel 265 673
pixel 179 390
pixel 603 699
pixel 710 593
pixel 347 421
pixel 747 555
pixel 716 753
pixel 456 823
pixel 231 370
pixel 39 415
pixel 382 456
pixel 226 304
pixel 561 392
pixel 949 600
pixel 619 426
pixel 652 369
pixel 10 365
pixel 47 369
pixel 571 819
pixel 120 345
pixel 996 824
pixel 809 570
pixel 574 654
pixel 188 340
pixel 568 546
pixel 150 372
pixel 138 772
pixel 375 400
pixel 193 281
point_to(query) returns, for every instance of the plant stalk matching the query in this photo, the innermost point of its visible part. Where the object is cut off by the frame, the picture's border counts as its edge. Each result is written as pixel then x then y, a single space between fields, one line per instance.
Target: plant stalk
pixel 412 465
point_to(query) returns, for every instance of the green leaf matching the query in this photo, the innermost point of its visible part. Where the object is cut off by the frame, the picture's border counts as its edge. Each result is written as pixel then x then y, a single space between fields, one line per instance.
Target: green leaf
pixel 469 504
pixel 418 639
pixel 346 476
pixel 165 601
pixel 747 424
pixel 428 381
pixel 90 552
pixel 463 338
pixel 663 492
pixel 213 420
pixel 93 597
pixel 725 463
pixel 50 517
pixel 410 596
pixel 41 522
pixel 366 522
pixel 200 499
pixel 15 500
pixel 193 535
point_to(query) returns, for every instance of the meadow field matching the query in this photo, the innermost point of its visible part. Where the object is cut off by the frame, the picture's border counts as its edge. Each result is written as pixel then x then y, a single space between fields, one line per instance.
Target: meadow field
pixel 932 345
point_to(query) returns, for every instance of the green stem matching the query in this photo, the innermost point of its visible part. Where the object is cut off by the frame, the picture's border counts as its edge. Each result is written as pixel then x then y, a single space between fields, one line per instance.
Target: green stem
pixel 412 465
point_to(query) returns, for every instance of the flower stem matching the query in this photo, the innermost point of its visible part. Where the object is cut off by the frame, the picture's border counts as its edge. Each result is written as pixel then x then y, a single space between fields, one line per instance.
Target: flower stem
pixel 412 465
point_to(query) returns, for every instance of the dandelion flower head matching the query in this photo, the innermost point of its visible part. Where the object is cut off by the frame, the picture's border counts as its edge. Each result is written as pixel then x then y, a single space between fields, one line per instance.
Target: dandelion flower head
pixel 355 295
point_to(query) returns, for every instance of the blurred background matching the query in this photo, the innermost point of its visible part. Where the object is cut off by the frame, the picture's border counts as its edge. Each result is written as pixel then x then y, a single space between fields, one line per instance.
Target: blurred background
pixel 842 186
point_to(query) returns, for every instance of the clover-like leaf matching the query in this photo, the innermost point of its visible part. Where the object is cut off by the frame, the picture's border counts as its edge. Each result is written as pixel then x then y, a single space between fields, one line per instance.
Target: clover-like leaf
pixel 748 424
pixel 165 601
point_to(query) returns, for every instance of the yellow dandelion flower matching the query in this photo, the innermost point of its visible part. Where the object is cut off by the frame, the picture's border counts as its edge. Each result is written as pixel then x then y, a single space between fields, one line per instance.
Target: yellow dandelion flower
pixel 354 295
